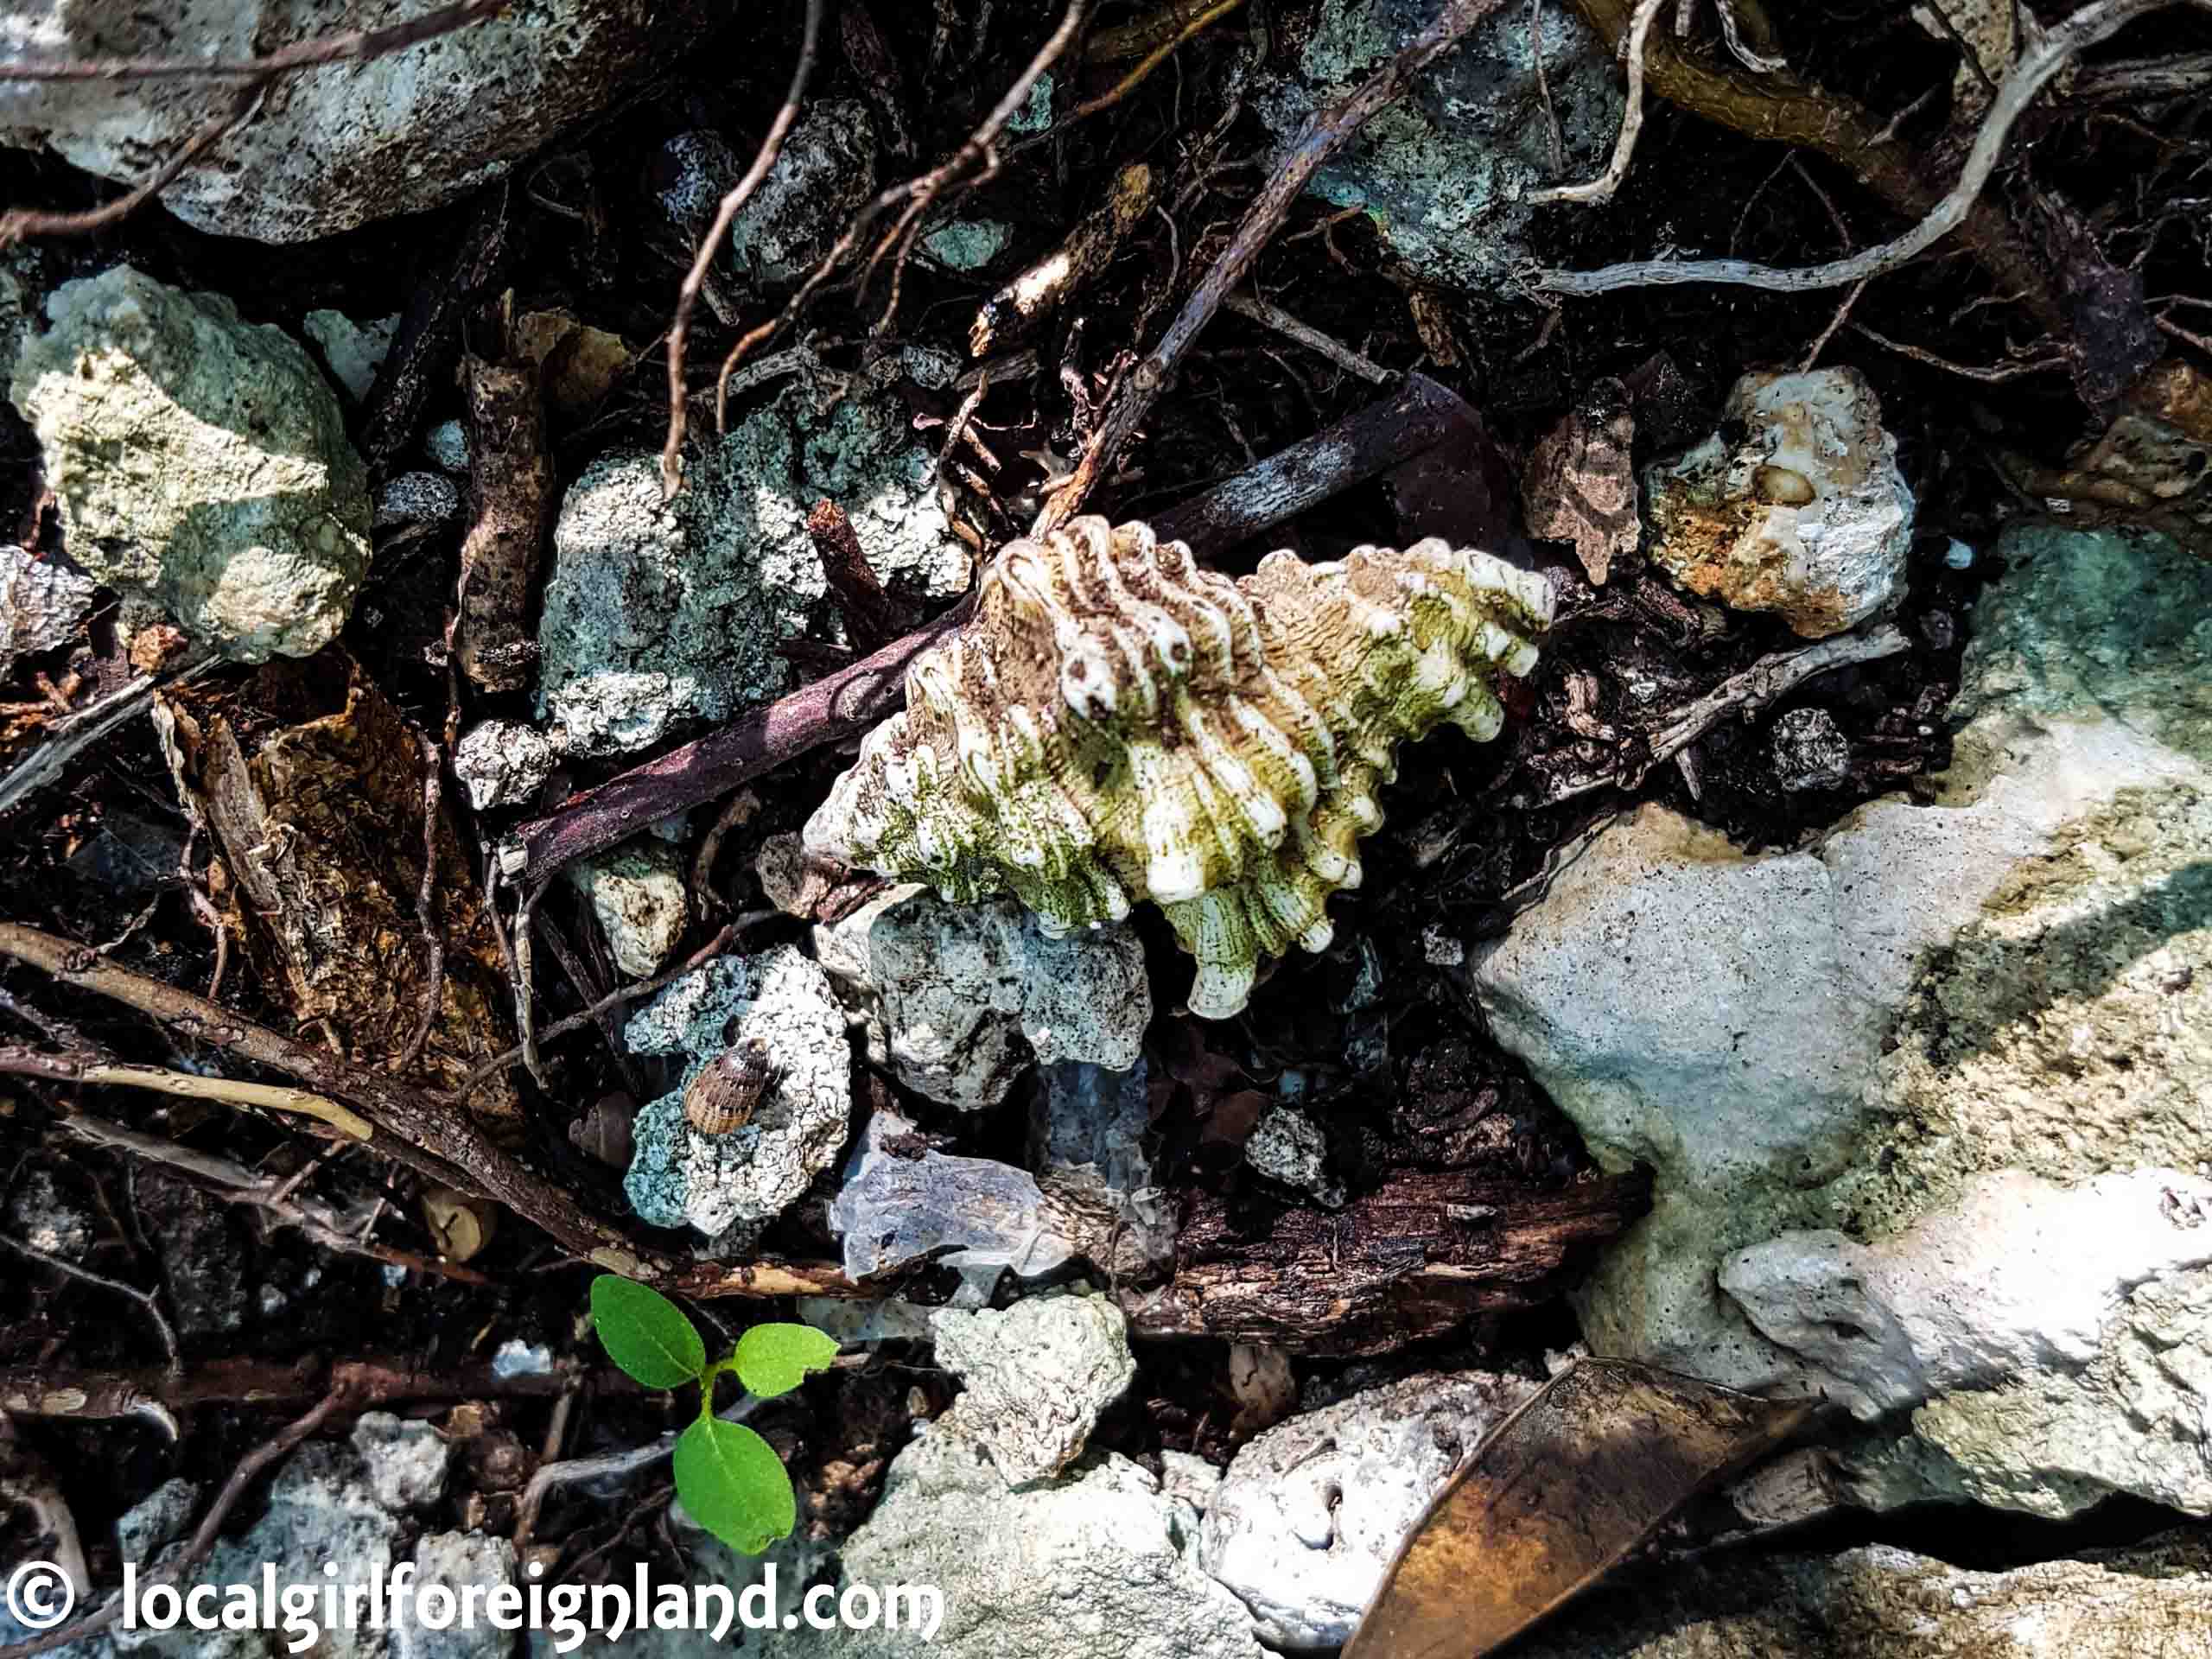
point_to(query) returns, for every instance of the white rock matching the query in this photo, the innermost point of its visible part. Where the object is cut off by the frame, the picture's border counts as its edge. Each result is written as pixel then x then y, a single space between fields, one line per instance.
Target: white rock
pixel 354 351
pixel 1444 173
pixel 1287 1146
pixel 465 1564
pixel 2151 1600
pixel 338 147
pixel 1090 1566
pixel 201 463
pixel 406 1459
pixel 502 763
pixel 966 996
pixel 1943 1032
pixel 659 615
pixel 417 501
pixel 1810 751
pixel 1313 1511
pixel 715 1183
pixel 1034 1379
pixel 1806 514
pixel 636 891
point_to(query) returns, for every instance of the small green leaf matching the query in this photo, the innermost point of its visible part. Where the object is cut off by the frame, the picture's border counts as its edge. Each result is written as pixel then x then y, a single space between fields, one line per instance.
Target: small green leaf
pixel 646 1333
pixel 735 1485
pixel 773 1359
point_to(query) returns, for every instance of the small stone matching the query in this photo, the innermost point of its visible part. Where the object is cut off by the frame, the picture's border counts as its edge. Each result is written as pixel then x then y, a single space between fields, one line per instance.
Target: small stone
pixel 42 602
pixel 1287 1146
pixel 745 1179
pixel 406 1459
pixel 156 1519
pixel 200 462
pixel 968 244
pixel 690 174
pixel 826 171
pixel 47 1218
pixel 968 995
pixel 470 1567
pixel 1809 752
pixel 445 444
pixel 1036 115
pixel 1959 555
pixel 636 891
pixel 354 351
pixel 1035 1377
pixel 1088 1124
pixel 1804 514
pixel 1440 948
pixel 502 763
pixel 515 1358
pixel 1093 1566
pixel 1313 1511
pixel 419 500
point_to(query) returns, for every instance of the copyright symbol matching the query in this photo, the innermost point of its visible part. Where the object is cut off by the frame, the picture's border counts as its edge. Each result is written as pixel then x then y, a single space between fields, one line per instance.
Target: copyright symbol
pixel 40 1595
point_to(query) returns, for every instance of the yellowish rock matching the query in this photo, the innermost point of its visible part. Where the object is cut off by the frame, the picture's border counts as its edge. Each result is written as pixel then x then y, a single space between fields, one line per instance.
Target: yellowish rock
pixel 1116 724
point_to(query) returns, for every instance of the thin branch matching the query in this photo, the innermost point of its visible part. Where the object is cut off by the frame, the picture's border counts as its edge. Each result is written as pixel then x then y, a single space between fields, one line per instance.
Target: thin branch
pixel 434 943
pixel 1971 371
pixel 1325 135
pixel 1274 317
pixel 2030 74
pixel 143 1298
pixel 694 280
pixel 248 1471
pixel 188 1086
pixel 1601 189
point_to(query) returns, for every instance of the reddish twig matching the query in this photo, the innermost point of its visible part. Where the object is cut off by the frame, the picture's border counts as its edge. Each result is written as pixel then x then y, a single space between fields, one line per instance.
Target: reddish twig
pixel 694 280
pixel 1324 137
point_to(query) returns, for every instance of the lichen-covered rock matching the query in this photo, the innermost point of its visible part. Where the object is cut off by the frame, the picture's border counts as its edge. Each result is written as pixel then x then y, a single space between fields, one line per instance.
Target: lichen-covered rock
pixel 731 1185
pixel 1312 1512
pixel 342 145
pixel 1117 724
pixel 1959 1037
pixel 1795 507
pixel 2151 1600
pixel 967 996
pixel 353 352
pixel 1093 1566
pixel 1444 173
pixel 1810 751
pixel 636 891
pixel 200 462
pixel 502 763
pixel 1287 1146
pixel 1034 1377
pixel 827 169
pixel 659 615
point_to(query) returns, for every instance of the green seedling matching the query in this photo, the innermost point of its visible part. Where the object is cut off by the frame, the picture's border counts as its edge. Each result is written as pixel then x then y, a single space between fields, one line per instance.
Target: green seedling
pixel 730 1478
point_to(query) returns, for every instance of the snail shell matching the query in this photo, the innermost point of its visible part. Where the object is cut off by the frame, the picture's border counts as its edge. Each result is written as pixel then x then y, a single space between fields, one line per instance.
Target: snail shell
pixel 723 1098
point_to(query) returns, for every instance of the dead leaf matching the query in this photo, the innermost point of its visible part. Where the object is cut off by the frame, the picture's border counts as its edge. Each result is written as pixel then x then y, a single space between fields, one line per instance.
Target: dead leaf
pixel 1556 1496
pixel 1580 483
pixel 318 811
pixel 578 365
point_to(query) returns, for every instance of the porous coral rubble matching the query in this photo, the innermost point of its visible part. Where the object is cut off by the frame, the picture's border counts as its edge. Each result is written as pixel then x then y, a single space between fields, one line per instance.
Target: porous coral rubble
pixel 1117 724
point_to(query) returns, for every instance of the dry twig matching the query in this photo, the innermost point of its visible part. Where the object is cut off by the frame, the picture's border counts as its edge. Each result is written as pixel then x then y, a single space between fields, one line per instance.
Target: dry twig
pixel 1601 189
pixel 2045 57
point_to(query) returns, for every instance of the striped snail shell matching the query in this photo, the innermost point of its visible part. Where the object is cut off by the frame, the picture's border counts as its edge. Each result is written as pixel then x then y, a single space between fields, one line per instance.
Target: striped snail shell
pixel 722 1097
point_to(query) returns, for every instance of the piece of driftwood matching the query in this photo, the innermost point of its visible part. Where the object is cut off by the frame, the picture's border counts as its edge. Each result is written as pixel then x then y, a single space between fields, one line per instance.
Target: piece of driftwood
pixel 1558 1495
pixel 1414 1259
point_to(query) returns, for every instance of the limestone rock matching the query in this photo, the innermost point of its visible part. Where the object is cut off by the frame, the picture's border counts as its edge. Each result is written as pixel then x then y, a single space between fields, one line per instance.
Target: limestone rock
pixel 201 463
pixel 502 763
pixel 1805 513
pixel 1313 1511
pixel 1034 1377
pixel 1444 173
pixel 658 616
pixel 968 995
pixel 42 601
pixel 346 144
pixel 717 1183
pixel 1116 723
pixel 1094 1566
pixel 1877 1074
pixel 2151 1600
pixel 637 894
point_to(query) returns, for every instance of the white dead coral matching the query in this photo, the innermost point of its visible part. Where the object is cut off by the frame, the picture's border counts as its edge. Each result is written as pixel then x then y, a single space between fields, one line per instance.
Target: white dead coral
pixel 1116 724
